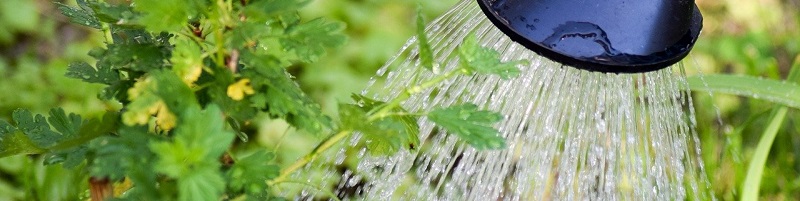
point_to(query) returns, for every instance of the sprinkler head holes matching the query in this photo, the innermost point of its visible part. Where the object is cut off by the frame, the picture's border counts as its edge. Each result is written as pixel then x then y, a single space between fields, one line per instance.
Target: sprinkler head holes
pixel 613 36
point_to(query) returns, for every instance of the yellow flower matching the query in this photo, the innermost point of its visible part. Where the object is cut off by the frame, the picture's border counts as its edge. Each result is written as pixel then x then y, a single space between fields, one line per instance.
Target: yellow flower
pixel 238 90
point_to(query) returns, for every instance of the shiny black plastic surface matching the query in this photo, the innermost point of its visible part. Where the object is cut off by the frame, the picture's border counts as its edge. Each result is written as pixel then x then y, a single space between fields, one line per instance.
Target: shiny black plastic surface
pixel 616 36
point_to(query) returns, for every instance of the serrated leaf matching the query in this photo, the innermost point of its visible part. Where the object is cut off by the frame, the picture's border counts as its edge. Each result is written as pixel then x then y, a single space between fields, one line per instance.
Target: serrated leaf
pixel 35 128
pixel 67 125
pixel 471 125
pixel 200 139
pixel 139 57
pixel 193 157
pixel 127 156
pixel 202 184
pixel 248 34
pixel 115 156
pixel 284 98
pixel 384 136
pixel 263 9
pixel 6 129
pixel 65 146
pixel 483 60
pixel 80 16
pixel 72 151
pixel 425 52
pixel 13 142
pixel 249 173
pixel 168 15
pixel 118 14
pixel 87 73
pixel 309 40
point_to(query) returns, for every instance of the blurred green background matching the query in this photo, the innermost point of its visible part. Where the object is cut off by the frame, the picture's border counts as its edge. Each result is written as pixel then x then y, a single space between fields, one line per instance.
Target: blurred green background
pixel 749 37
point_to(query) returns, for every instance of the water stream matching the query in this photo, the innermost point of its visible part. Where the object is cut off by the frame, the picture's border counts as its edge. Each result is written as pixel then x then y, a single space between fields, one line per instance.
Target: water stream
pixel 571 134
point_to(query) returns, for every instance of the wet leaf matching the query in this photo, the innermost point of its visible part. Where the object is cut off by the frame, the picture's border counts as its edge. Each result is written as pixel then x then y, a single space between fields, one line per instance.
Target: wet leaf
pixel 425 52
pixel 80 16
pixel 473 126
pixel 482 60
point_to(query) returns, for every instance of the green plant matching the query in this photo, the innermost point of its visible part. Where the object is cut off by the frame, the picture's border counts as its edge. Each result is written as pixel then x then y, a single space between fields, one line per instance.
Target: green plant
pixel 193 75
pixel 785 92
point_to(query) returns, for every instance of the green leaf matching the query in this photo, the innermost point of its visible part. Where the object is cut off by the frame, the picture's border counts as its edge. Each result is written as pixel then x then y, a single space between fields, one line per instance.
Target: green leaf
pixel 249 173
pixel 67 146
pixel 87 73
pixel 282 97
pixel 263 9
pixel 36 128
pixel 755 170
pixel 193 157
pixel 72 150
pixel 168 15
pixel 781 92
pixel 6 129
pixel 483 60
pixel 69 158
pixel 80 16
pixel 118 156
pixel 68 126
pixel 309 40
pixel 118 14
pixel 204 183
pixel 472 125
pixel 248 34
pixel 383 136
pixel 14 142
pixel 128 156
pixel 425 52
pixel 139 57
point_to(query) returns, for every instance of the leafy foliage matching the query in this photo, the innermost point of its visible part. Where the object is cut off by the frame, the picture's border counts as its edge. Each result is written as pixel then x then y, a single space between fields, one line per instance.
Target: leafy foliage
pixel 482 60
pixel 87 73
pixel 82 15
pixel 283 98
pixel 425 52
pixel 193 157
pixel 250 172
pixel 168 15
pixel 309 40
pixel 472 125
pixel 384 136
pixel 192 75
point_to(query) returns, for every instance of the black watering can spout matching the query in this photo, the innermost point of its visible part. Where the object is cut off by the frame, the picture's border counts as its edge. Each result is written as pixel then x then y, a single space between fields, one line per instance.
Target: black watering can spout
pixel 615 36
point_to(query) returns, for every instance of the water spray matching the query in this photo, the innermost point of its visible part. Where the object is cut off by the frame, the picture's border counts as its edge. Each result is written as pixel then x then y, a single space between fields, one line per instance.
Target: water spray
pixel 600 112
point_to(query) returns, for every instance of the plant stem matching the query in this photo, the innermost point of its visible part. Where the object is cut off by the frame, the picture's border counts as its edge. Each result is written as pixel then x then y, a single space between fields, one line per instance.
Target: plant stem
pixel 100 189
pixel 325 145
pixel 385 110
pixel 107 34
